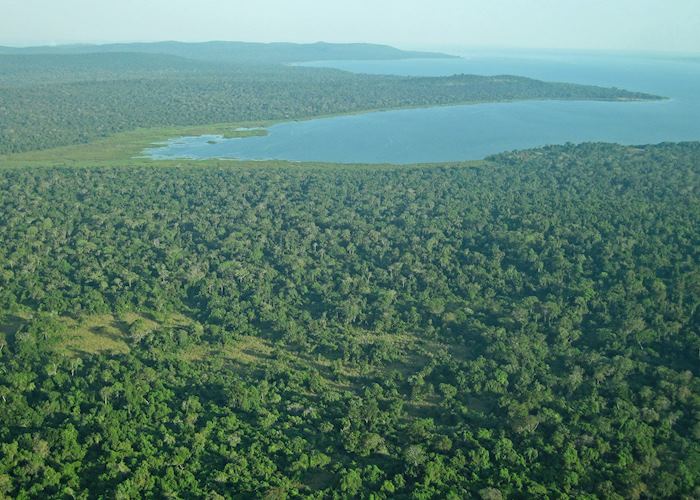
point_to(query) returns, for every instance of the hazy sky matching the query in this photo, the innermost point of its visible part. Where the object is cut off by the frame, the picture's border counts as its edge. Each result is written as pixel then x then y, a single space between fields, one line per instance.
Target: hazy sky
pixel 663 25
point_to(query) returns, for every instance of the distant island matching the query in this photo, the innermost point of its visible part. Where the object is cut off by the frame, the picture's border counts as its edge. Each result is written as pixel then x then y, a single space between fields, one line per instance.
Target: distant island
pixel 241 52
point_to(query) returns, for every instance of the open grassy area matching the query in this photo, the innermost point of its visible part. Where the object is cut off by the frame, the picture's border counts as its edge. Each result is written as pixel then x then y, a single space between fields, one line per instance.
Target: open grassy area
pixel 94 335
pixel 109 333
pixel 90 334
pixel 127 146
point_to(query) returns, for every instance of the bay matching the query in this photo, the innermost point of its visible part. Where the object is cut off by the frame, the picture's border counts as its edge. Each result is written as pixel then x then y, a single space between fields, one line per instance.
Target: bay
pixel 465 132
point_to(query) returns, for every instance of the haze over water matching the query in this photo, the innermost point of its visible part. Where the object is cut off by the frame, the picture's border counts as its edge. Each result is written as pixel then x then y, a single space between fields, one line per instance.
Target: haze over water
pixel 474 131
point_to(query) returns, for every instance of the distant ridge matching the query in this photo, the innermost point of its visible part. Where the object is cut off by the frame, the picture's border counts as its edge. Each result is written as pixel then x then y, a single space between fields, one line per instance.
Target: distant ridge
pixel 241 52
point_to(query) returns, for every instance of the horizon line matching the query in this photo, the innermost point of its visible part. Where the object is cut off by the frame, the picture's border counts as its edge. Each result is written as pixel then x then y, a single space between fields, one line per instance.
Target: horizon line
pixel 406 46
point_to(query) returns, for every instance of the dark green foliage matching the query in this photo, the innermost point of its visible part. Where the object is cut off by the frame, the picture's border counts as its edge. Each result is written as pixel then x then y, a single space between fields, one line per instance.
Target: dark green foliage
pixel 528 327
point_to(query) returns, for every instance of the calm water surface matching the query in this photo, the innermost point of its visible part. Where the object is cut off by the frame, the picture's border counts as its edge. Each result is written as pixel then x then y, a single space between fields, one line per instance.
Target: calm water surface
pixel 474 131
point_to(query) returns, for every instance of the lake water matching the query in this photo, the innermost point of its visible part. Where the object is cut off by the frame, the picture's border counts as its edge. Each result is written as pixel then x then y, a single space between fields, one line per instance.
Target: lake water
pixel 474 131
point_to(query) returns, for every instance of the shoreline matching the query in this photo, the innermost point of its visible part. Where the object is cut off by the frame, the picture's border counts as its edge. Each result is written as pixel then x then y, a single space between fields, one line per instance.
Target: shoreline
pixel 130 145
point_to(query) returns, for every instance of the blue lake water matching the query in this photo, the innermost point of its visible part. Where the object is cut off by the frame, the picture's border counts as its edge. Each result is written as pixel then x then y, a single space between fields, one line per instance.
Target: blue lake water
pixel 473 131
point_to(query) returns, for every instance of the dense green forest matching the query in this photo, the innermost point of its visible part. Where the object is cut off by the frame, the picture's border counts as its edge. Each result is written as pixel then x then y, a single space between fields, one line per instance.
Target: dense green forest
pixel 49 100
pixel 525 326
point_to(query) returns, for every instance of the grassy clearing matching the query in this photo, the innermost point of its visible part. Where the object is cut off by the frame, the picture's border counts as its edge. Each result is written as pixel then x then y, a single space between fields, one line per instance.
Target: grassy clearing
pixel 95 335
pixel 251 353
pixel 127 145
pixel 247 351
pixel 109 334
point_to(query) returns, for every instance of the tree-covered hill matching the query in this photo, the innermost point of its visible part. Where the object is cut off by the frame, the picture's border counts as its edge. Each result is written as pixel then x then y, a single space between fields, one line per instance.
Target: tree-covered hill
pixel 521 327
pixel 240 52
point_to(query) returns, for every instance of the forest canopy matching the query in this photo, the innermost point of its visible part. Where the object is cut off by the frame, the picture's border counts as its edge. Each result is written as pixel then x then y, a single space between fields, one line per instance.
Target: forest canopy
pixel 524 326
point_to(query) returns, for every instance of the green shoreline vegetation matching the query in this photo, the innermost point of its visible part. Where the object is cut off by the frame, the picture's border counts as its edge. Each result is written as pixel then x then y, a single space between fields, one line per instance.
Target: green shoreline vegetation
pixel 125 147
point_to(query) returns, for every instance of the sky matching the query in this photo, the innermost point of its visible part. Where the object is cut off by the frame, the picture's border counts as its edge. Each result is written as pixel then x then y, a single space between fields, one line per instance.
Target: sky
pixel 624 25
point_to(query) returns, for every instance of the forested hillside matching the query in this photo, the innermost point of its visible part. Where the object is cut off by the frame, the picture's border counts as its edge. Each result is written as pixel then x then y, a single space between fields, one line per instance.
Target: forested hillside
pixel 522 327
pixel 43 69
pixel 49 100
